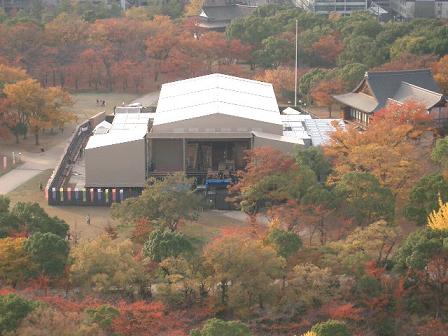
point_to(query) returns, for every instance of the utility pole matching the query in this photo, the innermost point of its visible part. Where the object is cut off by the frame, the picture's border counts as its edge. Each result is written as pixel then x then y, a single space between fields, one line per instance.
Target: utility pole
pixel 295 69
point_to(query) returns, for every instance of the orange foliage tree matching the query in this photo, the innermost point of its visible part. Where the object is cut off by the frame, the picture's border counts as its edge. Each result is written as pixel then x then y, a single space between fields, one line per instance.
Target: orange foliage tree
pixel 322 93
pixel 388 149
pixel 441 73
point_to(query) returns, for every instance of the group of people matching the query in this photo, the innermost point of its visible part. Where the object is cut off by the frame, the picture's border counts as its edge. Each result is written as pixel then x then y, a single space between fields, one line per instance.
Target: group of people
pixel 100 102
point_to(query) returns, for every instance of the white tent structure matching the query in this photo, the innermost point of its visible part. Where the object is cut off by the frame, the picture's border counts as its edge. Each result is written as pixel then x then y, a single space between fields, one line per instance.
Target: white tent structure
pixel 207 123
pixel 118 158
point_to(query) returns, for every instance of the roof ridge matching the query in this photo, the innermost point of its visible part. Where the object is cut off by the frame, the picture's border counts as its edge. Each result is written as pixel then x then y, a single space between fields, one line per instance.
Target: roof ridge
pixel 217 74
pixel 397 71
pixel 421 88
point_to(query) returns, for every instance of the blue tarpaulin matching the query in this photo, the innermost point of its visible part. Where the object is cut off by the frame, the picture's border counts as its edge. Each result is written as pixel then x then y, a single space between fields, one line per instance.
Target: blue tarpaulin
pixel 217 182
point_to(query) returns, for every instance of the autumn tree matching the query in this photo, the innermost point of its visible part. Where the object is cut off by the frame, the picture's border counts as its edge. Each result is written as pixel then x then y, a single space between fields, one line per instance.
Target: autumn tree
pixel 103 264
pixel 15 263
pixel 166 203
pixel 37 107
pixel 387 149
pixel 185 281
pixel 307 285
pixel 376 241
pixel 441 73
pixel 438 220
pixel 243 270
pixel 193 7
pixel 216 327
pixel 270 178
pixel 49 321
pixel 322 93
pixel 331 328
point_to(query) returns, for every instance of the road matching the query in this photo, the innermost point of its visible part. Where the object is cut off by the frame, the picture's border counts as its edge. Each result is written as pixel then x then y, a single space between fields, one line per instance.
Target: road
pixel 34 164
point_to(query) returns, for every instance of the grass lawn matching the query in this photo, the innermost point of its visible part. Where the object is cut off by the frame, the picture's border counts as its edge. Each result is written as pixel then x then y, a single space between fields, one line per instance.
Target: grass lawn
pixel 85 103
pixel 75 216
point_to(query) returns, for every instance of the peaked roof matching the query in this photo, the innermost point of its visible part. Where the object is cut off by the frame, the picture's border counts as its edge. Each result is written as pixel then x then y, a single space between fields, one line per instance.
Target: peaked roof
pixel 226 13
pixel 217 94
pixel 397 85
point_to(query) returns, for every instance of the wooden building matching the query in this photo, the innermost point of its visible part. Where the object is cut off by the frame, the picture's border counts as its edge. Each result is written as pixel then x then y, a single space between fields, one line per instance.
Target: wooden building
pixel 379 88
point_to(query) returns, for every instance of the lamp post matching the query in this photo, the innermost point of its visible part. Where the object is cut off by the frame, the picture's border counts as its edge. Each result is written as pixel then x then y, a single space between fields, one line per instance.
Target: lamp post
pixel 295 69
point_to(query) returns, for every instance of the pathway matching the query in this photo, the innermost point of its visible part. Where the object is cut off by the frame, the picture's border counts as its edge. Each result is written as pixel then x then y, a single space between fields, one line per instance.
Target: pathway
pixel 34 164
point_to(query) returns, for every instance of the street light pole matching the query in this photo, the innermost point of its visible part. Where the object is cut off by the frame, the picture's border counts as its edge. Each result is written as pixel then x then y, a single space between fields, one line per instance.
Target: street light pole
pixel 295 69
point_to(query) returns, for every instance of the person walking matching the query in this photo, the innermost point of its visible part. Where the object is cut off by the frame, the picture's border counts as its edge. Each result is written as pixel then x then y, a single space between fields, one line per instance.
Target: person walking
pixel 88 219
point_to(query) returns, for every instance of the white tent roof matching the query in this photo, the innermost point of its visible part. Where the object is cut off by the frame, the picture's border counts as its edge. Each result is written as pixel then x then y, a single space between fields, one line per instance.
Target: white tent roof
pixel 217 94
pixel 125 127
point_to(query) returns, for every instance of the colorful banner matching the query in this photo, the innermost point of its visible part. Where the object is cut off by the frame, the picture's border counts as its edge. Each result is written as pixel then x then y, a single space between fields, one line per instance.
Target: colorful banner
pixel 84 195
pixel 114 195
pixel 5 162
pixel 92 195
pixel 69 194
pixel 100 195
pixel 76 194
pixel 121 195
pixel 106 195
pixel 61 194
pixel 53 194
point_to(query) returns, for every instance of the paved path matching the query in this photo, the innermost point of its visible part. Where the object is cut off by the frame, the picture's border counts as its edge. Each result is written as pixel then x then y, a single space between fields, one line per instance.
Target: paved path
pixel 34 164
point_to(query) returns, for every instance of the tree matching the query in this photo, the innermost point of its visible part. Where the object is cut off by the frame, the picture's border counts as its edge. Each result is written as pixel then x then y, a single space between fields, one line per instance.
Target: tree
pixel 10 75
pixel 364 198
pixel 15 263
pixel 387 149
pixel 286 243
pixel 440 153
pixel 104 264
pixel 423 257
pixel 374 242
pixel 306 286
pixel 438 220
pixel 193 7
pixel 37 107
pixel 424 197
pixel 34 219
pixel 315 159
pixel 441 73
pixel 322 93
pixel 327 49
pixel 164 244
pixel 103 316
pixel 9 223
pixel 13 309
pixel 331 328
pixel 167 203
pixel 270 178
pixel 243 270
pixel 48 321
pixel 216 327
pixel 49 252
